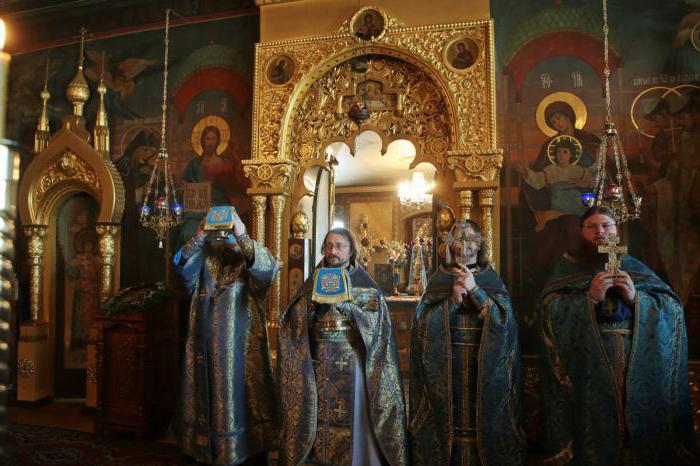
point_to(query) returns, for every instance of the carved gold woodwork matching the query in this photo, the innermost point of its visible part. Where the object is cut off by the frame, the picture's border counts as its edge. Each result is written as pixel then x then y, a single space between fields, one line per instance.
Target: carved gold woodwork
pixel 484 167
pixel 35 251
pixel 269 175
pixel 447 114
pixel 259 207
pixel 467 99
pixel 107 233
pixel 68 165
pixel 300 225
pixel 278 202
pixel 68 168
pixel 466 202
pixel 486 202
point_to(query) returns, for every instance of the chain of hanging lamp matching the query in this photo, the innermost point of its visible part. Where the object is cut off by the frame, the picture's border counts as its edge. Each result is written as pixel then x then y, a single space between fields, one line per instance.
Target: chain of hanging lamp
pixel 625 206
pixel 161 210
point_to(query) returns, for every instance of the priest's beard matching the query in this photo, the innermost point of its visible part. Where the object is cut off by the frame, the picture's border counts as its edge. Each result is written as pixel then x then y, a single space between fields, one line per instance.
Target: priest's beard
pixel 230 256
pixel 588 253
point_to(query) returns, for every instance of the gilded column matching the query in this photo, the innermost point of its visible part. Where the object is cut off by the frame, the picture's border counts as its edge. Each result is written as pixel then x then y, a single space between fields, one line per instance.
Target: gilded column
pixel 107 232
pixel 278 201
pixel 36 234
pixel 486 202
pixel 259 207
pixel 466 202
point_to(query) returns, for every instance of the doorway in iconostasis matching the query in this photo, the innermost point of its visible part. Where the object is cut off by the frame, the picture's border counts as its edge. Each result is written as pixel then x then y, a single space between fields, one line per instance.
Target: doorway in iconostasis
pixel 77 293
pixel 386 204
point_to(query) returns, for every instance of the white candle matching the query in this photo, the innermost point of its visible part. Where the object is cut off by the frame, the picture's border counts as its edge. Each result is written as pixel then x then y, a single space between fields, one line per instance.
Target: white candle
pixel 4 69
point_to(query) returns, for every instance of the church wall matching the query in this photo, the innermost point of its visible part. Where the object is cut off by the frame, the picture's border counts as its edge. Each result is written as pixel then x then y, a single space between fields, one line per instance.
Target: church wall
pixel 544 47
pixel 210 84
pixel 310 18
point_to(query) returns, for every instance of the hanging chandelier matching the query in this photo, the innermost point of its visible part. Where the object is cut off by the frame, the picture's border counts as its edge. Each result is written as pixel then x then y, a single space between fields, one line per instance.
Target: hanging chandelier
pixel 161 210
pixel 416 193
pixel 623 201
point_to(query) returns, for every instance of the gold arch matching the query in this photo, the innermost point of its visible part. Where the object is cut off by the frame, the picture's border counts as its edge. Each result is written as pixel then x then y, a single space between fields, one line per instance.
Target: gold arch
pixel 567 97
pixel 310 78
pixel 47 180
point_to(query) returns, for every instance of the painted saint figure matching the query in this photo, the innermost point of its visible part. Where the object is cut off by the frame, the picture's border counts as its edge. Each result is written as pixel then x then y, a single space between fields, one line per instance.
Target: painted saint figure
pixel 368 29
pixel 211 167
pixel 84 269
pixel 226 409
pixel 565 178
pixel 614 374
pixel 463 58
pixel 465 384
pixel 342 401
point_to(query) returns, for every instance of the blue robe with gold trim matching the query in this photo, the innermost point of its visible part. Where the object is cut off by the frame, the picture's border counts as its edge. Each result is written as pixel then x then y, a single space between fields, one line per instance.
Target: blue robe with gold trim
pixel 589 418
pixel 498 408
pixel 226 411
pixel 299 395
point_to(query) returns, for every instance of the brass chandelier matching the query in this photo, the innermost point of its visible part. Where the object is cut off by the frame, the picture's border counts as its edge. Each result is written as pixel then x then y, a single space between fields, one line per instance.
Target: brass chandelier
pixel 623 201
pixel 161 210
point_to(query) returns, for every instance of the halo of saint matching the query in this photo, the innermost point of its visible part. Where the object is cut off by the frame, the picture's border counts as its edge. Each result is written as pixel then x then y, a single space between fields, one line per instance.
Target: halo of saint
pixel 201 125
pixel 568 141
pixel 572 99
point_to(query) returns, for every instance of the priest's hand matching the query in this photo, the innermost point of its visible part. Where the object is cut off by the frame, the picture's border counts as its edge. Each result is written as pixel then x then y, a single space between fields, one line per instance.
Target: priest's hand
pixel 466 277
pixel 599 286
pixel 238 225
pixel 624 282
pixel 201 233
pixel 463 284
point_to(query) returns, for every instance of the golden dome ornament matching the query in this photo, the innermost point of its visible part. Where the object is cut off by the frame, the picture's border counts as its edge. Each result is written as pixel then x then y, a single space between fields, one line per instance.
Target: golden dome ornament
pixel 161 210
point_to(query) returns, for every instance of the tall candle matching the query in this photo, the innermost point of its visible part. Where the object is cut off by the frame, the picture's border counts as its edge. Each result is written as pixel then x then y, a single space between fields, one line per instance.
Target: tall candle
pixel 4 71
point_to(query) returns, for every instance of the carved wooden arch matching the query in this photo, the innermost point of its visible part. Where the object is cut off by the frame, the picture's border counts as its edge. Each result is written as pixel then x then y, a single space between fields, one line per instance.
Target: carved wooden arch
pixel 301 92
pixel 68 165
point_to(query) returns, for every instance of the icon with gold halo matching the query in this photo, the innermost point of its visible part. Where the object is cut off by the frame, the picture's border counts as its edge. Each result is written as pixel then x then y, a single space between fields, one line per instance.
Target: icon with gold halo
pixel 212 134
pixel 568 142
pixel 572 100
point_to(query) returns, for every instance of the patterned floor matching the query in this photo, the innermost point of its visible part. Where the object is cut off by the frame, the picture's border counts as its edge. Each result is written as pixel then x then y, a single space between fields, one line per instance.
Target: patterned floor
pixel 26 445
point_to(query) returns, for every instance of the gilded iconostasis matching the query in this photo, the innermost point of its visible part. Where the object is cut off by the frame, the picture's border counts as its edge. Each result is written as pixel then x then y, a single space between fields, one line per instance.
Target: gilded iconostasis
pixel 548 88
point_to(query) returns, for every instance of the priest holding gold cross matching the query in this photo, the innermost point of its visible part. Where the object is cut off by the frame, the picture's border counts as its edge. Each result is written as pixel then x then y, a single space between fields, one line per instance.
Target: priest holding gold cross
pixel 614 358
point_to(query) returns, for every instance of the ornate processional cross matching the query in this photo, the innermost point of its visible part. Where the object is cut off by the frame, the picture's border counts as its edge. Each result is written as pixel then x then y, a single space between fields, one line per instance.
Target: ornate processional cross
pixel 612 249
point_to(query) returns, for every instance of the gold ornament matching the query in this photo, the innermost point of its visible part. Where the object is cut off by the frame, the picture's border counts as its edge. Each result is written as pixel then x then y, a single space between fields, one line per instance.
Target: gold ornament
pixel 300 224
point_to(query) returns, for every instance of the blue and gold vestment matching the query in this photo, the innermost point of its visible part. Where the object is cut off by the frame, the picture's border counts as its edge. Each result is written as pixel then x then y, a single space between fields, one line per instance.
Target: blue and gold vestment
pixel 226 411
pixel 324 351
pixel 465 385
pixel 599 410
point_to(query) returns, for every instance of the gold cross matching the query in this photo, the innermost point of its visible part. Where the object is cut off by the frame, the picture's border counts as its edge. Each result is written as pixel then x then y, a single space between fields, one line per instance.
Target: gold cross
pixel 341 364
pixel 340 410
pixel 612 249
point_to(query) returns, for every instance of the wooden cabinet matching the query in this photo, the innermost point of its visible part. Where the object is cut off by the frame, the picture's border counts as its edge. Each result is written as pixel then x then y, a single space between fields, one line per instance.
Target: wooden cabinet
pixel 137 364
pixel 401 310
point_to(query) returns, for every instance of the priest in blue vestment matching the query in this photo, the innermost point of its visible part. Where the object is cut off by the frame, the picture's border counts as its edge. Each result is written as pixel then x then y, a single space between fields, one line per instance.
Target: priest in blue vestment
pixel 614 361
pixel 226 411
pixel 465 384
pixel 341 397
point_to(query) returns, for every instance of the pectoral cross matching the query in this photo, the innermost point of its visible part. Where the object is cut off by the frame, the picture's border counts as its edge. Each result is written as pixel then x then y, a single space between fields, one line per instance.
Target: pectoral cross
pixel 340 410
pixel 341 364
pixel 612 249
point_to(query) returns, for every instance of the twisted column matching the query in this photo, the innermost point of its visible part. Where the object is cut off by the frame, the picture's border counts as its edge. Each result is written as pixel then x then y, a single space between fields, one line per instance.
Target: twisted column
pixel 486 202
pixel 107 232
pixel 278 201
pixel 36 234
pixel 466 202
pixel 259 207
